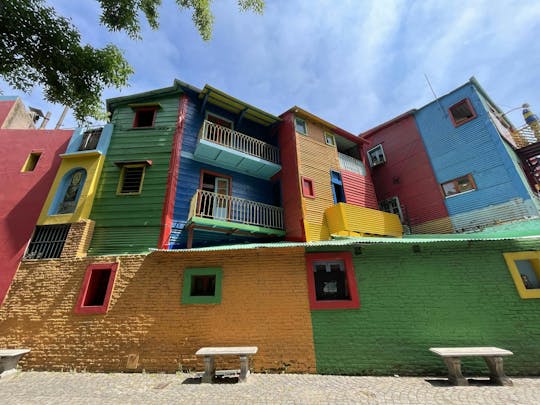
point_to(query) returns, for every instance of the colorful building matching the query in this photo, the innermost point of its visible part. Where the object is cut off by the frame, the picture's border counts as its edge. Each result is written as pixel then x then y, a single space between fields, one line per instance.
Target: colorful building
pixel 368 306
pixel 452 166
pixel 195 219
pixel 30 161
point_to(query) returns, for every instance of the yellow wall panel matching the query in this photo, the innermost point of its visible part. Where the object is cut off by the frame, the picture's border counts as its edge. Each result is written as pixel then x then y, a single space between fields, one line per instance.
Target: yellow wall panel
pixel 351 220
pixel 93 164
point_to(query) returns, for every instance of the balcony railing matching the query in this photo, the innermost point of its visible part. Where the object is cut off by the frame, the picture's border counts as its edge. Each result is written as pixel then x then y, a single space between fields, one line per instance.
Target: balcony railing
pixel 525 136
pixel 238 141
pixel 90 138
pixel 207 204
pixel 351 164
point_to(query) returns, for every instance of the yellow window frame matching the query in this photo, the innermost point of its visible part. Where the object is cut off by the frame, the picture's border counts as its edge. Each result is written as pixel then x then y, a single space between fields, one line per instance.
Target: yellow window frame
pixel 329 139
pixel 122 177
pixel 31 162
pixel 534 258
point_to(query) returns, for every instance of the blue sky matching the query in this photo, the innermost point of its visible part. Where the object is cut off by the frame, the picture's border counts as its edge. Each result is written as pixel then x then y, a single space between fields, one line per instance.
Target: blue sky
pixel 354 63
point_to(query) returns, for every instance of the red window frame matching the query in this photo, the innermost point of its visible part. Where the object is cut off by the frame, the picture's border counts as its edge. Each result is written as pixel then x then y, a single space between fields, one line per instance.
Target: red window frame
pixel 464 101
pixel 139 110
pixel 308 189
pixel 346 257
pixel 80 308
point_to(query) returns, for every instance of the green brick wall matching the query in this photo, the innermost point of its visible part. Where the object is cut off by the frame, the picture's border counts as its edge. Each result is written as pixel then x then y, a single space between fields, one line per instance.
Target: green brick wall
pixel 132 223
pixel 452 294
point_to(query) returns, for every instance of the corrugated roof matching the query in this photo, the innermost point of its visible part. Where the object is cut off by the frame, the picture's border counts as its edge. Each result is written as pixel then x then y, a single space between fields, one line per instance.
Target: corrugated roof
pixel 349 241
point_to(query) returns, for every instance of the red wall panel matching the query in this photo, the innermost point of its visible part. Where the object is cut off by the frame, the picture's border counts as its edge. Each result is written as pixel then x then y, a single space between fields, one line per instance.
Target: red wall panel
pixel 359 190
pixel 22 194
pixel 407 172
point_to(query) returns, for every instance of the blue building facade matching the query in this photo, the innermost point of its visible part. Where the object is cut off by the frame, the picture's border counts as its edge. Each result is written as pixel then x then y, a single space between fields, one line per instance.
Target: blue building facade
pixel 226 192
pixel 470 147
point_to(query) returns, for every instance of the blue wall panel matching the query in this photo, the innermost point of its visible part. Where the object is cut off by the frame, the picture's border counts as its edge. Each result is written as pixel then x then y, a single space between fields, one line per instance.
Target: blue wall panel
pixel 474 147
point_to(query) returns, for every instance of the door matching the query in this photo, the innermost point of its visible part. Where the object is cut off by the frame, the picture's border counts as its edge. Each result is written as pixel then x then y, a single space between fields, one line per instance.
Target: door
pixel 221 198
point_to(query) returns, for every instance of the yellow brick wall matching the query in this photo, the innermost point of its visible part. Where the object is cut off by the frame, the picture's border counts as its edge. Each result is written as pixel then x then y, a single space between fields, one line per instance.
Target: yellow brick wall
pixel 316 159
pixel 263 304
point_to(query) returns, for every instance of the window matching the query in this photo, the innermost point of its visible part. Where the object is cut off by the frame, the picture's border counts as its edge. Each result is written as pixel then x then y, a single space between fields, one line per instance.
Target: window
pixel 90 139
pixel 331 281
pixel 144 117
pixel 300 126
pixel 307 187
pixel 329 139
pixel 71 188
pixel 392 206
pixel 337 187
pixel 525 270
pixel 216 119
pixel 96 288
pixel 47 242
pixel 202 286
pixel 458 186
pixel 376 156
pixel 131 179
pixel 31 162
pixel 462 112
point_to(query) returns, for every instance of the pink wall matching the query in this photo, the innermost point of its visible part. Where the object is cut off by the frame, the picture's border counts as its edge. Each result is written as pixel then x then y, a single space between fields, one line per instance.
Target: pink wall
pixel 407 172
pixel 22 194
pixel 359 190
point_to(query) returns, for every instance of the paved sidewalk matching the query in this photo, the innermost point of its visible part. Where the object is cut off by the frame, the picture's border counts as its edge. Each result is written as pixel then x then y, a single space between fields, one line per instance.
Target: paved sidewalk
pixel 87 388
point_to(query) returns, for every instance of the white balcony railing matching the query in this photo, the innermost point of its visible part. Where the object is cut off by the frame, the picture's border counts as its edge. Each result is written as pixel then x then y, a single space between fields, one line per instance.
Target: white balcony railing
pixel 238 141
pixel 207 204
pixel 525 136
pixel 351 164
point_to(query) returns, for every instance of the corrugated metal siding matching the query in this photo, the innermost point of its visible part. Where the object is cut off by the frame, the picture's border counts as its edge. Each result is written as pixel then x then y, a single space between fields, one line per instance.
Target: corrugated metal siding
pixel 290 187
pixel 512 210
pixel 359 190
pixel 407 173
pixel 316 159
pixel 350 220
pixel 130 224
pixel 473 147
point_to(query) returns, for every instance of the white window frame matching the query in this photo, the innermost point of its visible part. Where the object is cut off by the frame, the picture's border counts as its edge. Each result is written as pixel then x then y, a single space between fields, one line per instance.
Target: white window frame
pixel 329 139
pixel 370 155
pixel 304 124
pixel 392 200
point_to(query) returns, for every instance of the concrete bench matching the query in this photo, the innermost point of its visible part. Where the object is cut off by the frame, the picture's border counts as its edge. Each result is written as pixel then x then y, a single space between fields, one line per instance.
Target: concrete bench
pixel 210 353
pixel 492 355
pixel 9 359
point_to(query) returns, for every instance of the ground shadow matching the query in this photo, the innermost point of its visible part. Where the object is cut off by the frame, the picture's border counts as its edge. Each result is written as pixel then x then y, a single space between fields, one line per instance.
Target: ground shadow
pixel 217 380
pixel 473 382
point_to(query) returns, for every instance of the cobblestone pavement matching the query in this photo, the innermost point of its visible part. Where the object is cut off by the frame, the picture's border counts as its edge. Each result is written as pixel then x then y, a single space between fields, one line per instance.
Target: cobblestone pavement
pixel 87 388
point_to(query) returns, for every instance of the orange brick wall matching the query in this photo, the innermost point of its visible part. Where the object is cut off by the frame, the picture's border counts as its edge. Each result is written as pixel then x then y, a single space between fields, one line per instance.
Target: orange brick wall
pixel 263 304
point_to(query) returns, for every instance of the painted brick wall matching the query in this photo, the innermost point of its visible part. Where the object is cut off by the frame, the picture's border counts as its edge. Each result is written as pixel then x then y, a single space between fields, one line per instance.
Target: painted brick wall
pixel 262 304
pixel 446 295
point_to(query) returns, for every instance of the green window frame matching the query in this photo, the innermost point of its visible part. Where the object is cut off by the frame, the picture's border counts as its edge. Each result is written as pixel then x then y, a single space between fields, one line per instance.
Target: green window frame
pixel 300 125
pixel 192 280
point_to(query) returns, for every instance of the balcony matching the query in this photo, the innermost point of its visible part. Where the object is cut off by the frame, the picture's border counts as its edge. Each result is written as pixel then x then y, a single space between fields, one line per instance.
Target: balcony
pixel 351 164
pixel 233 214
pixel 351 220
pixel 229 149
pixel 525 136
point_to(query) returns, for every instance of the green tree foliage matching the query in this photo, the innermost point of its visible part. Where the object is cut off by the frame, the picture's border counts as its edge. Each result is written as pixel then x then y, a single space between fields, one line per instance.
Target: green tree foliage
pixel 40 47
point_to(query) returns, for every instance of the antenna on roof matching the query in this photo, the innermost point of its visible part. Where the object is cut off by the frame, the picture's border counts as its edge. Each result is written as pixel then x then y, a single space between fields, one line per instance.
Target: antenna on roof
pixel 434 95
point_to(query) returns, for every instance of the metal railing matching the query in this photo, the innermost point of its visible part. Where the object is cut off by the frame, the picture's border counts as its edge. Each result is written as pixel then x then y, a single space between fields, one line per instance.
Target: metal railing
pixel 207 204
pixel 238 141
pixel 524 136
pixel 351 164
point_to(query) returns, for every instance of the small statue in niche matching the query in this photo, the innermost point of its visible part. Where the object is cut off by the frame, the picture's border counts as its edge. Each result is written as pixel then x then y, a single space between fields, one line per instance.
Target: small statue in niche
pixel 69 201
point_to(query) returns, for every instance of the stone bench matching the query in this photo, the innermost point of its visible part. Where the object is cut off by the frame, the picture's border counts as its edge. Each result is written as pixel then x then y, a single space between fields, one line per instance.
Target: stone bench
pixel 210 353
pixel 492 355
pixel 9 359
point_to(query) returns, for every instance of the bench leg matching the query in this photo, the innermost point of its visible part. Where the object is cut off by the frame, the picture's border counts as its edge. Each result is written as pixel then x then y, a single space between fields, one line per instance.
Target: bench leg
pixel 209 369
pixel 8 364
pixel 454 371
pixel 244 369
pixel 496 371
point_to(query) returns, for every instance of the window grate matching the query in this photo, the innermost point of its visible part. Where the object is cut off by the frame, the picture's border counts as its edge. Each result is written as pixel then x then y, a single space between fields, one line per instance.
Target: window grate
pixel 47 242
pixel 132 180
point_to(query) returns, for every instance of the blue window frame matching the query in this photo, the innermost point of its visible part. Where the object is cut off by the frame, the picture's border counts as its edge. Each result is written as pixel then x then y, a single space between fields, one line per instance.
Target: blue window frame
pixel 337 187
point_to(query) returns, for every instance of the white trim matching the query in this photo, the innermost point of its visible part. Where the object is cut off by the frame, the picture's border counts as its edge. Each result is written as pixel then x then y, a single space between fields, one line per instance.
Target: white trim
pixel 373 163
